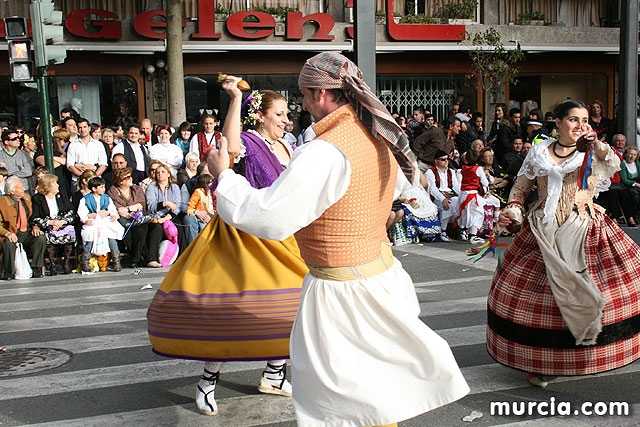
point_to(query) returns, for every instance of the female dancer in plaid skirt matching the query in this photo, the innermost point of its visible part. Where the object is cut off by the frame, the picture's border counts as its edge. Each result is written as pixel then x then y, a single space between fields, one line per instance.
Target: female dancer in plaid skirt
pixel 565 301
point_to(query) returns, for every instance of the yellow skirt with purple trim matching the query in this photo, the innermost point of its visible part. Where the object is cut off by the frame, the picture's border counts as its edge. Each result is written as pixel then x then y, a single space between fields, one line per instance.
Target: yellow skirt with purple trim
pixel 230 296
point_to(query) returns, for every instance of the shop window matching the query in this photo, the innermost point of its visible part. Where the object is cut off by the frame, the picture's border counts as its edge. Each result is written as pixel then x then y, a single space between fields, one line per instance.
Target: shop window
pixel 107 100
pixel 204 94
pixel 546 91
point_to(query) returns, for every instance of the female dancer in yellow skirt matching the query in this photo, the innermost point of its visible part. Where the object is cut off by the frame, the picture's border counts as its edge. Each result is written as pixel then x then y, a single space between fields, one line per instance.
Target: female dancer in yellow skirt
pixel 232 296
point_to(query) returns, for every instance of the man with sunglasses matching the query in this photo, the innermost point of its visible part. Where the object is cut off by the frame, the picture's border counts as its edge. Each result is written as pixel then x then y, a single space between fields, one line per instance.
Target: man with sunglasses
pixel 444 187
pixel 17 162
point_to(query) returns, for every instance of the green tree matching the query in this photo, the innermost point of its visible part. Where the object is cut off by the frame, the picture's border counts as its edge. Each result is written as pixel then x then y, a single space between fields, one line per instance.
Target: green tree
pixel 491 63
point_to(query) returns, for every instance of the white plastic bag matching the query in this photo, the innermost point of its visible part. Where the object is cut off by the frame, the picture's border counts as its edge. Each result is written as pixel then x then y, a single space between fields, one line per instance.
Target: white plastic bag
pixel 23 269
pixel 100 239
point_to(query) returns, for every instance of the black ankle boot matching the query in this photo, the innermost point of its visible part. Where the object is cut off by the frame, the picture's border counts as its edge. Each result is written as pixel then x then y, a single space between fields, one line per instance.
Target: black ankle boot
pixel 85 263
pixel 115 258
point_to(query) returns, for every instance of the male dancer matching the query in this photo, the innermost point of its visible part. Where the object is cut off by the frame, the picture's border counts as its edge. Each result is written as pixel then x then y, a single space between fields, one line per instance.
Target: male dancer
pixel 360 354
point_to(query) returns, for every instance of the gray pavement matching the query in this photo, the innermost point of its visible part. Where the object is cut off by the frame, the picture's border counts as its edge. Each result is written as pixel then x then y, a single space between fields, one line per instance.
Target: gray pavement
pixel 113 377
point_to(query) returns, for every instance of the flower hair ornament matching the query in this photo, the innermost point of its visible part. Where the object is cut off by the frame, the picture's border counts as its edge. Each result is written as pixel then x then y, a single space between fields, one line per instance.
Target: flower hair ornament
pixel 250 108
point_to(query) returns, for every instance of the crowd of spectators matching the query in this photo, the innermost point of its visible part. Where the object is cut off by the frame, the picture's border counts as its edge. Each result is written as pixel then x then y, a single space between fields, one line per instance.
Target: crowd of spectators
pixel 463 153
pixel 105 181
pixel 120 185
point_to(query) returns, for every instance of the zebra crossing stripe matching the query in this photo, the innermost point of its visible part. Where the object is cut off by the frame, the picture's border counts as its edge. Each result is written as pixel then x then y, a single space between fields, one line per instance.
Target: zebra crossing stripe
pixel 134 295
pixel 435 308
pixel 40 323
pixel 242 411
pixel 81 286
pixel 448 255
pixel 470 335
pixel 452 281
pixel 481 378
pixel 55 322
pixel 111 376
pixel 94 343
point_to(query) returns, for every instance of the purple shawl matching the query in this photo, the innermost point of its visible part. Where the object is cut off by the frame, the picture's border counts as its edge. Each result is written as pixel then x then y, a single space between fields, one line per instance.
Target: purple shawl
pixel 262 167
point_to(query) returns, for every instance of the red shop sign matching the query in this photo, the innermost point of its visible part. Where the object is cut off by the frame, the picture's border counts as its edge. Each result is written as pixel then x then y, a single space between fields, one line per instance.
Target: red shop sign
pixel 102 24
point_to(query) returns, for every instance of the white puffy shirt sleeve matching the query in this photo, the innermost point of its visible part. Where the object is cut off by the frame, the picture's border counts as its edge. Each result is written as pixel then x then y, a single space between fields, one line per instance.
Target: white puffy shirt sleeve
pixel 316 178
pixel 402 184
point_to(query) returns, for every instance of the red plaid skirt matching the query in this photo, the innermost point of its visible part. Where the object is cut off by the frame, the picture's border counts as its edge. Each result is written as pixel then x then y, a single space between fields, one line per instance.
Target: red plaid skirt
pixel 525 328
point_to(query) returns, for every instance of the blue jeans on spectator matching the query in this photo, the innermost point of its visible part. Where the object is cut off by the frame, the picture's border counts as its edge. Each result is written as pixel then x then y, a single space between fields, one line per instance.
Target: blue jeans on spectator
pixel 194 226
pixel 113 246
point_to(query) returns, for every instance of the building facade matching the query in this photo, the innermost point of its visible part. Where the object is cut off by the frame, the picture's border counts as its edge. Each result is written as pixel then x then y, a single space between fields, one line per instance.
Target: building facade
pixel 115 70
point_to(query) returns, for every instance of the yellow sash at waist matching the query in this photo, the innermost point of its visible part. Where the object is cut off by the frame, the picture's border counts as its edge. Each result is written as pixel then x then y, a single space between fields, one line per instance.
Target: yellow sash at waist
pixel 356 272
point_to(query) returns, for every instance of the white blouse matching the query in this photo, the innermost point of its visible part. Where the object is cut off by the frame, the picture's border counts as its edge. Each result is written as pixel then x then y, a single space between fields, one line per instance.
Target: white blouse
pixel 53 207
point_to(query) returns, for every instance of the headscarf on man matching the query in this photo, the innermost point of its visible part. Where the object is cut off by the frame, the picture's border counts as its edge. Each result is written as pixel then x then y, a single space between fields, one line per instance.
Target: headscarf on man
pixel 331 70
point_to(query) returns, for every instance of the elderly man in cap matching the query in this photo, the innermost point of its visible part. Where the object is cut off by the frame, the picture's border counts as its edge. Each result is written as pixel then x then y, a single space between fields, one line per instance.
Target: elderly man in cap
pixel 444 187
pixel 15 211
pixel 360 354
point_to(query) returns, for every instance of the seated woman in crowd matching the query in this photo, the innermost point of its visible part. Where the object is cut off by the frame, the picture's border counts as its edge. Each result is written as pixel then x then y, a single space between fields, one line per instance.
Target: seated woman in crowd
pixel 101 229
pixel 630 177
pixel 191 162
pixel 151 174
pixel 60 140
pixel 420 213
pixel 165 151
pixel 474 197
pixel 52 212
pixel 129 198
pixel 163 200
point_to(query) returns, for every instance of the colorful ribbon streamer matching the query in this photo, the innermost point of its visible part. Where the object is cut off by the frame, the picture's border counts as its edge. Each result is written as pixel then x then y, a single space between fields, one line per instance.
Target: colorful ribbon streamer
pixel 585 169
pixel 489 247
pixel 137 216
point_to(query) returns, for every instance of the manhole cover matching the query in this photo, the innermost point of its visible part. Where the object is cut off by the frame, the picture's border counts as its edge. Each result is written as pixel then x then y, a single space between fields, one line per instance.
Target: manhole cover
pixel 22 361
